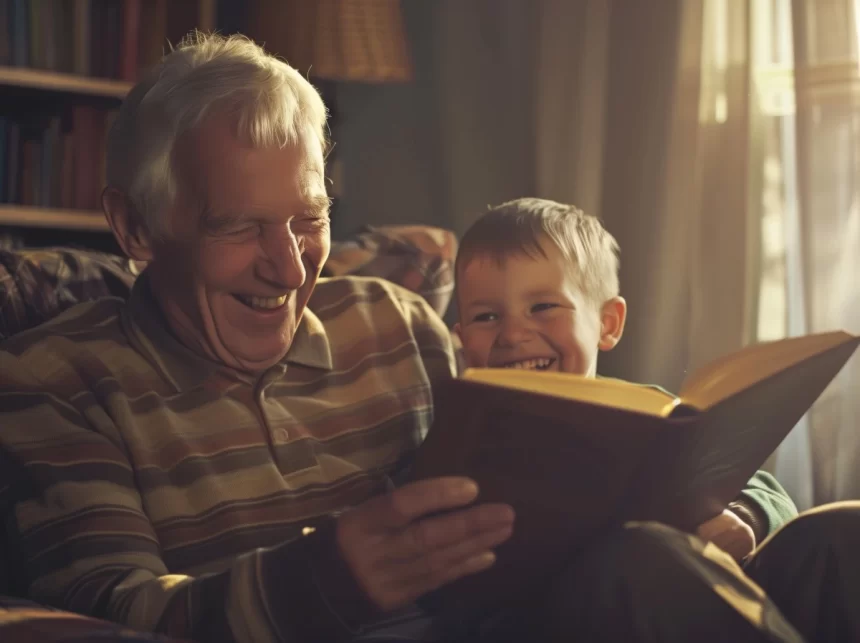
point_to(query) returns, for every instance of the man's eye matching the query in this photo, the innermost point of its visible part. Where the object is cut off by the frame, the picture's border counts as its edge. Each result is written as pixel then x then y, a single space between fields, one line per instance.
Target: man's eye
pixel 230 227
pixel 310 224
pixel 539 308
pixel 485 317
pixel 241 230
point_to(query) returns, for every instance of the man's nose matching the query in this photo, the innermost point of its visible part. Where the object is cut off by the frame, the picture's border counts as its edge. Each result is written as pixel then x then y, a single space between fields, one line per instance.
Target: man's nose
pixel 285 251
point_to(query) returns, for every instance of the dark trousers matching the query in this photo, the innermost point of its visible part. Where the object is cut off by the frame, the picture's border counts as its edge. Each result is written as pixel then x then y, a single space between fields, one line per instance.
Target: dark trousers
pixel 811 570
pixel 648 583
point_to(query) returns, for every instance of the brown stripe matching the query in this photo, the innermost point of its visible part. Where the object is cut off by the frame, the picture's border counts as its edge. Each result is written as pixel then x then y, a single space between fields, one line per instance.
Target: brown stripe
pixel 343 296
pixel 391 407
pixel 41 477
pixel 179 449
pixel 78 524
pixel 193 468
pixel 406 354
pixel 238 532
pixel 25 400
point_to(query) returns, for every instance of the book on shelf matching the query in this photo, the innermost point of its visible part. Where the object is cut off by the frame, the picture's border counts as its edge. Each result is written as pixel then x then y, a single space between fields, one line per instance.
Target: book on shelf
pixel 54 158
pixel 578 456
pixel 112 39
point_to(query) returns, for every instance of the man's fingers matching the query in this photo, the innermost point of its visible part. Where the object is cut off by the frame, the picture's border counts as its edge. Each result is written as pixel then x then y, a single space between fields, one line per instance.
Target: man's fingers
pixel 437 565
pixel 423 537
pixel 420 585
pixel 410 502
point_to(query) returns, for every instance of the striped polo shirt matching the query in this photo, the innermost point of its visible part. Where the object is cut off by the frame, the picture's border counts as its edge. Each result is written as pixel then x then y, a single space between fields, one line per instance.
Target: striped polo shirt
pixel 144 484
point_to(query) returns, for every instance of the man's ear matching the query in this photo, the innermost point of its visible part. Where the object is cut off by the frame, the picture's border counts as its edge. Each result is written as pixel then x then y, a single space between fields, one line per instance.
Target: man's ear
pixel 613 315
pixel 126 226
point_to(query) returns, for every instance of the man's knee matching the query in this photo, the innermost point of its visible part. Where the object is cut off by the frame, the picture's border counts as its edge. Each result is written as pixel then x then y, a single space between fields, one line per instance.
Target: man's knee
pixel 639 557
pixel 644 547
pixel 833 529
pixel 650 582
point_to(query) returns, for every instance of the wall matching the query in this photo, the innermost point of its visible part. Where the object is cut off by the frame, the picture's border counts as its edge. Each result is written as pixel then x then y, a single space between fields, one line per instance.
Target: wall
pixel 459 137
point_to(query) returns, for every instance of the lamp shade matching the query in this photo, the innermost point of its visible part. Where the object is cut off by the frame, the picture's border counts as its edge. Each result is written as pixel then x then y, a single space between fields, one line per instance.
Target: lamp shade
pixel 341 40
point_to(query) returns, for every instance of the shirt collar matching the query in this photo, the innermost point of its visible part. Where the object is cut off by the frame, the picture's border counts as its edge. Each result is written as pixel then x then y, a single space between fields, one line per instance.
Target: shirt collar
pixel 149 331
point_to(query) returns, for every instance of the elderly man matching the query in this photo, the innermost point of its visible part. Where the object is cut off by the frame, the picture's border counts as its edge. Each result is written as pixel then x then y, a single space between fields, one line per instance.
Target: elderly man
pixel 212 459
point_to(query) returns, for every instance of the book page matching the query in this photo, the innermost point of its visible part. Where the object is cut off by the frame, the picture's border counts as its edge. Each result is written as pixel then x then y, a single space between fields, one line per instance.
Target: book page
pixel 739 371
pixel 606 392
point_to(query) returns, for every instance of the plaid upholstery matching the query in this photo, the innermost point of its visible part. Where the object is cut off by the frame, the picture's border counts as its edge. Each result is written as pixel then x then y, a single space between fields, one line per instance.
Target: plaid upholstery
pixel 37 285
pixel 419 258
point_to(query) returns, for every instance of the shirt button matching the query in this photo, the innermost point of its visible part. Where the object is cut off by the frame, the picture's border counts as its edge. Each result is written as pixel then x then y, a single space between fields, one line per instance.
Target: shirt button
pixel 281 435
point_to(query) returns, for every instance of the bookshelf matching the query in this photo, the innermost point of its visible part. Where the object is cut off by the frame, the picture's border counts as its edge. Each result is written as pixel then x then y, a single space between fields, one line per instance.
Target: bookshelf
pixel 65 67
pixel 79 58
pixel 51 81
pixel 54 218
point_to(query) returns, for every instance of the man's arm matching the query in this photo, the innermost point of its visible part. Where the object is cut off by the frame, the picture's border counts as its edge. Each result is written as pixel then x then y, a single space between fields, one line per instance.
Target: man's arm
pixel 81 541
pixel 431 335
pixel 436 348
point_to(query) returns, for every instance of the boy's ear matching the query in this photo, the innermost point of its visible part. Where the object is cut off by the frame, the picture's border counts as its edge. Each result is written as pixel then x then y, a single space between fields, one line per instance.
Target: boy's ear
pixel 130 234
pixel 457 331
pixel 613 315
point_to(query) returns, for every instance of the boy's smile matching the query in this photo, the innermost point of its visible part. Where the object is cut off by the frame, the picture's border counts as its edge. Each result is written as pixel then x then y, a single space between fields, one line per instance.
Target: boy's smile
pixel 531 364
pixel 528 312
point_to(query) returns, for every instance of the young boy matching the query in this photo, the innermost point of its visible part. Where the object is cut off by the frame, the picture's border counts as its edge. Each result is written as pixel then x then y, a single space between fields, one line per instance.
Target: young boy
pixel 537 288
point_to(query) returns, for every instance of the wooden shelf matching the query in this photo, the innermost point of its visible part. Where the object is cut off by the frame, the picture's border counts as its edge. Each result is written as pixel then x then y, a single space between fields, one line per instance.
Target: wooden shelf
pixel 30 217
pixel 65 83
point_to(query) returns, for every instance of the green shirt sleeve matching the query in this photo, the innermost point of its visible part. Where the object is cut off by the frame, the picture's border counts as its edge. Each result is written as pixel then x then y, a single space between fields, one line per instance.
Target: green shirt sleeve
pixel 765 497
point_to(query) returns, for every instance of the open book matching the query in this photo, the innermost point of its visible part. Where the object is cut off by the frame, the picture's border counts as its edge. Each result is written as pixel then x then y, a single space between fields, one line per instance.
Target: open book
pixel 576 456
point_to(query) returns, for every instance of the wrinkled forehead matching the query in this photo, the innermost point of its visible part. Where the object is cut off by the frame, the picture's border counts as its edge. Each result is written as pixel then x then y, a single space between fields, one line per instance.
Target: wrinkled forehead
pixel 215 157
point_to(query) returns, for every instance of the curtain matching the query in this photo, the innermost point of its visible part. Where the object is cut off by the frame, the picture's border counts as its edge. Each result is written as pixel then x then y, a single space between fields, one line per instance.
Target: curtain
pixel 821 240
pixel 730 177
pixel 679 177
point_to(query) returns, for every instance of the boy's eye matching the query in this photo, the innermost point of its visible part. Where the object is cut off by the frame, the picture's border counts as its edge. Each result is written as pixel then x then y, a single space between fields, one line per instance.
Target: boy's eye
pixel 485 317
pixel 538 308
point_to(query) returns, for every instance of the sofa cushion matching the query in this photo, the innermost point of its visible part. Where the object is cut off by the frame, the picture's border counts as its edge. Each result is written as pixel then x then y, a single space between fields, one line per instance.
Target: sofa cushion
pixel 420 258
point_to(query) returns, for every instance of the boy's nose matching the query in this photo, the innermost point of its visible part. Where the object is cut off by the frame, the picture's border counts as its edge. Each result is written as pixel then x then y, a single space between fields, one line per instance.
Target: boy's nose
pixel 514 332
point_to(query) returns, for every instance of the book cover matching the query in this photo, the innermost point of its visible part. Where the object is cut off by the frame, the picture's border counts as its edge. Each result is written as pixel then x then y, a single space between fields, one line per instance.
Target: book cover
pixel 577 456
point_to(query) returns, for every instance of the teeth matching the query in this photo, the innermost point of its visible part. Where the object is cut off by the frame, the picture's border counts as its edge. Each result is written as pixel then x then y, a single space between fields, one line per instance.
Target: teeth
pixel 265 302
pixel 530 364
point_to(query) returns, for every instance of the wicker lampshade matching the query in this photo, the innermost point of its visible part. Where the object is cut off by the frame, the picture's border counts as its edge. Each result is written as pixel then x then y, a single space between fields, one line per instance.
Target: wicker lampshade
pixel 343 40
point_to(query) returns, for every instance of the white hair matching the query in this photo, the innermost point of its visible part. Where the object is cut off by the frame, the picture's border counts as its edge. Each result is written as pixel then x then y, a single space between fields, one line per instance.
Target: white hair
pixel 272 102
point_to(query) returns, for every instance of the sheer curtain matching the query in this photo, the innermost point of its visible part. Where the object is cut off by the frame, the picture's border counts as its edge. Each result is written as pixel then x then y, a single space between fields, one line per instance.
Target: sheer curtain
pixel 816 238
pixel 731 170
pixel 785 171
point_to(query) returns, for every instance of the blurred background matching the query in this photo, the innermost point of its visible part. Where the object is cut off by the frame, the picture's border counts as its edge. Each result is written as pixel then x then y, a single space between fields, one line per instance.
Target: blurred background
pixel 719 140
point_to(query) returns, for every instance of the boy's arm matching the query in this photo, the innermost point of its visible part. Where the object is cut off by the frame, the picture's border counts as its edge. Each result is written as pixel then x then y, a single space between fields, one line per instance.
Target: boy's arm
pixel 764 505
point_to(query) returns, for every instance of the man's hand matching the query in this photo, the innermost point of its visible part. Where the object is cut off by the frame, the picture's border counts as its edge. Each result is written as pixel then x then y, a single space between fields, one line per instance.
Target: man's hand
pixel 728 532
pixel 398 552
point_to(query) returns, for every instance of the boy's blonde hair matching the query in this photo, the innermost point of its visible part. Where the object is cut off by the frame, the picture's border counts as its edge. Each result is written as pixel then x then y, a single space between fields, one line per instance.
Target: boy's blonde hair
pixel 519 227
